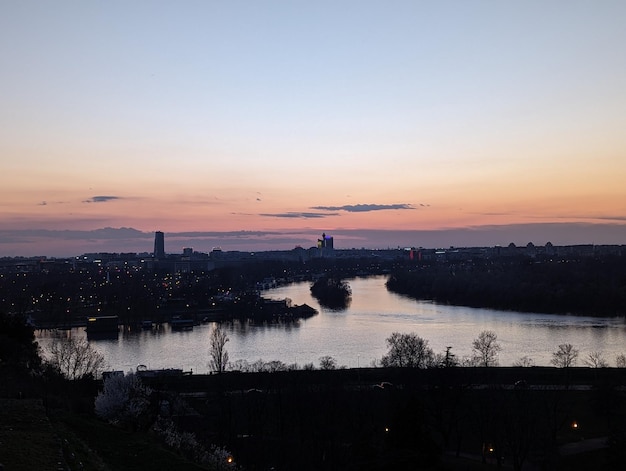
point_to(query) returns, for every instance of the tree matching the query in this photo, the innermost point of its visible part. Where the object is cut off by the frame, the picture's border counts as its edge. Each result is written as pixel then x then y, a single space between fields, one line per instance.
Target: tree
pixel 596 360
pixel 332 292
pixel 446 359
pixel 18 347
pixel 620 360
pixel 328 363
pixel 524 362
pixel 407 350
pixel 75 358
pixel 218 354
pixel 485 349
pixel 124 400
pixel 565 356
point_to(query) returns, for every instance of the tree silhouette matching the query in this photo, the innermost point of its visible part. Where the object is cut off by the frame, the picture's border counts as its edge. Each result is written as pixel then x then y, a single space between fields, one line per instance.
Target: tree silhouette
pixel 565 356
pixel 76 358
pixel 332 292
pixel 596 360
pixel 218 354
pixel 328 363
pixel 486 348
pixel 407 350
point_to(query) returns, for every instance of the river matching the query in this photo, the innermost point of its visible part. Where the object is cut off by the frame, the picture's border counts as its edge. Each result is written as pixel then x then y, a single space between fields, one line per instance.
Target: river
pixel 355 337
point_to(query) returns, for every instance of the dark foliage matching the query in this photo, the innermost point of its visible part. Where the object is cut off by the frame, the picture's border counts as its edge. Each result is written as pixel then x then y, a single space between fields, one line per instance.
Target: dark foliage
pixel 18 348
pixel 589 286
pixel 332 292
pixel 403 418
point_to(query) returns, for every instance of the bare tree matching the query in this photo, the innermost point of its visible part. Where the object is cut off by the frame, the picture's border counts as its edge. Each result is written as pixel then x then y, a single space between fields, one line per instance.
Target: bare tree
pixel 218 355
pixel 565 356
pixel 485 348
pixel 525 362
pixel 407 350
pixel 328 363
pixel 75 358
pixel 596 360
pixel 620 360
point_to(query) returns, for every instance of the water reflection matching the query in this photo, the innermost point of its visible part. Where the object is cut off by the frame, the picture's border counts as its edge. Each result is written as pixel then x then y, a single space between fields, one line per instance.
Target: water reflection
pixel 357 335
pixel 245 326
pixel 93 336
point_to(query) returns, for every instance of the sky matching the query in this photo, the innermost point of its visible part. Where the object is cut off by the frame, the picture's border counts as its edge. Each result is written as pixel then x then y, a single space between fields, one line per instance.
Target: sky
pixel 258 125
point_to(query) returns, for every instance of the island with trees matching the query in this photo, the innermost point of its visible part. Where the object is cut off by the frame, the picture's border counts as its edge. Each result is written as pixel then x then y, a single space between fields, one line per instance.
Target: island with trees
pixel 332 292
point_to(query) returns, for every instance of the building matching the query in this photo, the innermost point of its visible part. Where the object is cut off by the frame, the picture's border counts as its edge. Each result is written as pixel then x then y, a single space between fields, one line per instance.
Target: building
pixel 325 245
pixel 159 245
pixel 326 242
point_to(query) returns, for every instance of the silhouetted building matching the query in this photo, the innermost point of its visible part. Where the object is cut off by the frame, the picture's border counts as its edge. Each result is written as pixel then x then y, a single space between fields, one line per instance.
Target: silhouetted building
pixel 326 242
pixel 325 246
pixel 159 245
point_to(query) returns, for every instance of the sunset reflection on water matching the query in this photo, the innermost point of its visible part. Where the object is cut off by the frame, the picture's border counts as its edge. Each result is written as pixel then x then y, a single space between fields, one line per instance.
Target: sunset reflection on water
pixel 356 336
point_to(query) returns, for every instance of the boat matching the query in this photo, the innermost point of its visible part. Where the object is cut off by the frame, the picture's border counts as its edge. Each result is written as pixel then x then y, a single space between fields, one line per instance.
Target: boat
pixel 102 324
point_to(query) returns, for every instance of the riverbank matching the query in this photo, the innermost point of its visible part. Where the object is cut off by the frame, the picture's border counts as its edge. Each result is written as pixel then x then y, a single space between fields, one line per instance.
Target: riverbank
pixel 580 286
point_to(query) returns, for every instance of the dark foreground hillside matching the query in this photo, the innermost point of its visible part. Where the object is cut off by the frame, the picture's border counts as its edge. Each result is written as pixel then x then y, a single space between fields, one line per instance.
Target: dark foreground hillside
pixel 358 419
pixel 379 419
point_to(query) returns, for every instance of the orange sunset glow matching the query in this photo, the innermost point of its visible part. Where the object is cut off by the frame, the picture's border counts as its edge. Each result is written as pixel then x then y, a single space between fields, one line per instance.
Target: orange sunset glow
pixel 257 126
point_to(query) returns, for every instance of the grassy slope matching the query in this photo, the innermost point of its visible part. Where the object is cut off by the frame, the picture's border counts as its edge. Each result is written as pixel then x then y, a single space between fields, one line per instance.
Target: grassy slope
pixel 117 449
pixel 27 439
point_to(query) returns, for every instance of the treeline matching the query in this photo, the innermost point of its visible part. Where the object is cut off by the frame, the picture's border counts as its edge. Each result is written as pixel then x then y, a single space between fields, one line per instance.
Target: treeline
pixel 587 286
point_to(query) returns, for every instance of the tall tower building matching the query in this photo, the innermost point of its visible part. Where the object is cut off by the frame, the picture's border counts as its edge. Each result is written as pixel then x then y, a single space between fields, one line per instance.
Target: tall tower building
pixel 325 245
pixel 326 242
pixel 159 245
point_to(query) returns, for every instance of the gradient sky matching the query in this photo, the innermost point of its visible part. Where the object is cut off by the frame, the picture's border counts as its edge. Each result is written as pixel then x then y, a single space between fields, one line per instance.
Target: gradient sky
pixel 268 122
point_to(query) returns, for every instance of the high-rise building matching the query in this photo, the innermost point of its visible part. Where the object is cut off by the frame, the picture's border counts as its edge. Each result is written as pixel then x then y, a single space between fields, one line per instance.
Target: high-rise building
pixel 159 245
pixel 326 242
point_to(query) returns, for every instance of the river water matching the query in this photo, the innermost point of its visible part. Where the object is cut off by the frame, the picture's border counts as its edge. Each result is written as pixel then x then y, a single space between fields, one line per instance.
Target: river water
pixel 355 337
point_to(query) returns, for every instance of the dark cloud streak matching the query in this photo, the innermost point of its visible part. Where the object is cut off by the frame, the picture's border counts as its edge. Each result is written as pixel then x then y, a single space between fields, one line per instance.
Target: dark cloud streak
pixel 299 215
pixel 101 199
pixel 361 208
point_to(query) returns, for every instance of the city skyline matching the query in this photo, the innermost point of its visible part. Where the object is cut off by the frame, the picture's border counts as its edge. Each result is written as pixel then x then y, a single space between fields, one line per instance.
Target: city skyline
pixel 63 244
pixel 259 126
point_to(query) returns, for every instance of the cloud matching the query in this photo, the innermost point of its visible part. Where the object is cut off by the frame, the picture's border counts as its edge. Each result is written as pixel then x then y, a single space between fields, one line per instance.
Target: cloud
pixel 105 233
pixel 46 203
pixel 362 208
pixel 581 216
pixel 299 215
pixel 324 210
pixel 617 218
pixel 101 199
pixel 612 218
pixel 227 234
